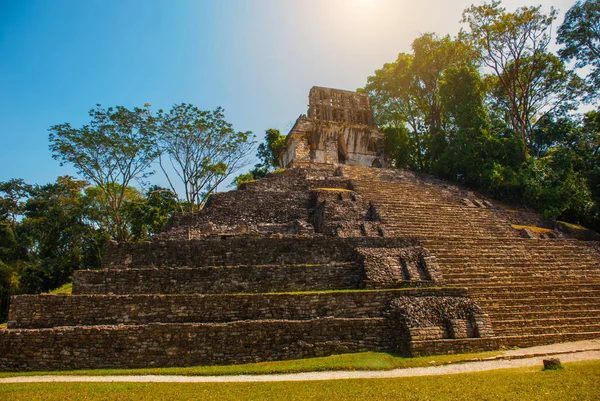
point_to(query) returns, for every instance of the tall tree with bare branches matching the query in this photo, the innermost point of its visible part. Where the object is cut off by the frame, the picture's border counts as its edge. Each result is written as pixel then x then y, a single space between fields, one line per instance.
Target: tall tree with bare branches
pixel 201 149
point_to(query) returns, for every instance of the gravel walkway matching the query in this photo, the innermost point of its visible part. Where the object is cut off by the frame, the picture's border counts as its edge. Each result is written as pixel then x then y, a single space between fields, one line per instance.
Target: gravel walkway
pixel 566 352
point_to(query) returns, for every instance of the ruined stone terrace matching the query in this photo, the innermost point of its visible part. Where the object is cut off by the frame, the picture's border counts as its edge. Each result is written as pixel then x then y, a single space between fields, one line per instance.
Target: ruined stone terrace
pixel 316 261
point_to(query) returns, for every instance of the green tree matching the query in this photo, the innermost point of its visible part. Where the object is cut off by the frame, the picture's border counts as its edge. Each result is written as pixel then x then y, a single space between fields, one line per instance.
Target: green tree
pixel 397 146
pixel 468 153
pixel 584 141
pixel 62 238
pixel 580 35
pixel 268 153
pixel 405 93
pixel 552 131
pixel 12 199
pixel 203 150
pixel 552 90
pixel 9 285
pixel 529 81
pixel 241 179
pixel 149 215
pixel 13 244
pixel 552 185
pixel 98 210
pixel 118 146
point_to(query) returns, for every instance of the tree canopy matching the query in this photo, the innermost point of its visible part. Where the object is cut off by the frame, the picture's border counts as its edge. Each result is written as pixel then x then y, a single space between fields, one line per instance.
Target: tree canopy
pixel 202 148
pixel 267 154
pixel 580 36
pixel 118 146
pixel 527 80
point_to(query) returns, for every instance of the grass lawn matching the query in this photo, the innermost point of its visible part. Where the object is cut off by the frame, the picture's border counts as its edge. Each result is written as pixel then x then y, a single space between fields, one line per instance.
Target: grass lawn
pixel 577 381
pixel 362 361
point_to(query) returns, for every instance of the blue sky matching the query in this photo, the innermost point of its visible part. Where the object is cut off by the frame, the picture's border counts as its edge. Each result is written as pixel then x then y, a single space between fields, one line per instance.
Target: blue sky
pixel 256 58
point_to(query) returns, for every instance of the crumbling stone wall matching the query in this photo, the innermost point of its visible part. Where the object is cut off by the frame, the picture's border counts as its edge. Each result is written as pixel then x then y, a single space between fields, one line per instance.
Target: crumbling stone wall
pixel 43 311
pixel 140 331
pixel 243 250
pixel 317 142
pixel 275 204
pixel 219 280
pixel 339 105
pixel 393 267
pixel 162 345
pixel 434 318
pixel 339 129
pixel 343 213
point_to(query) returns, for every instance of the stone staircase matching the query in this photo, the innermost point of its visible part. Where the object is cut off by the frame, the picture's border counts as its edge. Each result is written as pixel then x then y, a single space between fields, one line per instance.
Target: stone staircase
pixel 535 291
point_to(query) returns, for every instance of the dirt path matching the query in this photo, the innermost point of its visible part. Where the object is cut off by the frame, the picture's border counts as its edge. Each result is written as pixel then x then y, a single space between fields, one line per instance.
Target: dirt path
pixel 567 352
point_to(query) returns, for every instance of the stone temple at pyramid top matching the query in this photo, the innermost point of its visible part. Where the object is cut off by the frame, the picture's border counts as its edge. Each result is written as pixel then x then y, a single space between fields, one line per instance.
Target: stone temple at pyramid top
pixel 339 129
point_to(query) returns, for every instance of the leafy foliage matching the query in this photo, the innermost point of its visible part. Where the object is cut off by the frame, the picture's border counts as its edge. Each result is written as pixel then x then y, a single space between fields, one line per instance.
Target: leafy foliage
pixel 203 150
pixel 406 94
pixel 118 146
pixel 61 227
pixel 580 35
pixel 60 237
pixel 527 81
pixel 148 215
pixel 268 153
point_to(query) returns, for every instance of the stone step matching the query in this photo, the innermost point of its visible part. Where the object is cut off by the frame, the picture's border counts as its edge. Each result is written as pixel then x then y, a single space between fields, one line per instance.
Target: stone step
pixel 518 268
pixel 557 308
pixel 504 341
pixel 506 276
pixel 535 287
pixel 492 251
pixel 525 303
pixel 41 311
pixel 507 341
pixel 515 266
pixel 507 242
pixel 163 345
pixel 519 249
pixel 460 270
pixel 436 215
pixel 433 231
pixel 516 248
pixel 238 250
pixel 515 260
pixel 503 315
pixel 444 229
pixel 559 329
pixel 439 215
pixel 541 322
pixel 555 294
pixel 218 280
pixel 539 252
pixel 569 283
pixel 412 229
pixel 479 286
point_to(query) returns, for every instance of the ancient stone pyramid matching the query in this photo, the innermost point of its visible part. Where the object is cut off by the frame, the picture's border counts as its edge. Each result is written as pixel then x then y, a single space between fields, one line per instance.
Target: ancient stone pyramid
pixel 318 260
